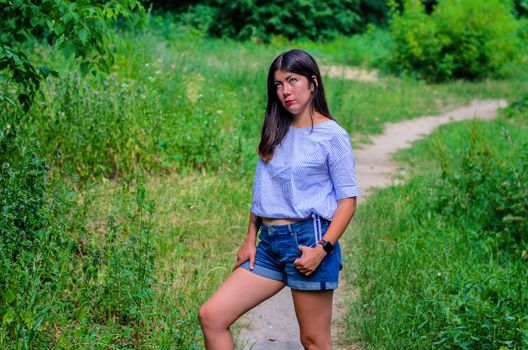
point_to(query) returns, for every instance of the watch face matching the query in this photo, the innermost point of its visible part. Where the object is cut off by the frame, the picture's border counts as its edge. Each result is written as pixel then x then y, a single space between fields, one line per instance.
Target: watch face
pixel 328 247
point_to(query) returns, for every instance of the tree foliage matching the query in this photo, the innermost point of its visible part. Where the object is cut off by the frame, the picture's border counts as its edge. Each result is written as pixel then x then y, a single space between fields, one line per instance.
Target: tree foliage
pixel 244 19
pixel 467 39
pixel 82 29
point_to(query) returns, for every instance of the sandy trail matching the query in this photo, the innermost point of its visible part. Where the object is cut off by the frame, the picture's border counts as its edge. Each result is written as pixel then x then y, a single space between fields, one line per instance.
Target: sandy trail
pixel 350 73
pixel 272 324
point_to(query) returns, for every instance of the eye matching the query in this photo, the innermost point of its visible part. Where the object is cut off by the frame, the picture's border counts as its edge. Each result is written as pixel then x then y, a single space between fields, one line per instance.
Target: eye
pixel 293 81
pixel 278 85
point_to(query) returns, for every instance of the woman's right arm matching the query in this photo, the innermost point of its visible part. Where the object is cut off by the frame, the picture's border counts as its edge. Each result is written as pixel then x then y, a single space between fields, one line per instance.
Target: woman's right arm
pixel 248 249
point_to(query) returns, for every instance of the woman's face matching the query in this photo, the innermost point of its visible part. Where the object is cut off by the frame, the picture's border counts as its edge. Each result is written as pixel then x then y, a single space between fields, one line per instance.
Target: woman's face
pixel 294 91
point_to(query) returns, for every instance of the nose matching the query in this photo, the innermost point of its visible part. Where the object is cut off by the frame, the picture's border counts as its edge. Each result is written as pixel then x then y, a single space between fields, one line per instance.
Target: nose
pixel 286 91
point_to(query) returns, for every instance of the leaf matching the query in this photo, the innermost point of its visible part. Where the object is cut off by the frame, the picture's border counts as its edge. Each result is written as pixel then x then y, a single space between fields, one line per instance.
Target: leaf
pixel 83 35
pixel 9 316
pixel 58 29
pixel 10 101
pixel 44 71
pixel 10 295
pixel 68 49
pixel 85 68
pixel 25 101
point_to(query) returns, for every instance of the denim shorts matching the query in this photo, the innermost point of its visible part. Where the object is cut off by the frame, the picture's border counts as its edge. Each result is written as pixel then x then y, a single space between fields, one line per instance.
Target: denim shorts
pixel 279 246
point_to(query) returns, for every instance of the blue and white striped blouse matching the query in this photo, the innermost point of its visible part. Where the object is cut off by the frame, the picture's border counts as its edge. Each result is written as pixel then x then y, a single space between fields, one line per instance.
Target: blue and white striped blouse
pixel 308 174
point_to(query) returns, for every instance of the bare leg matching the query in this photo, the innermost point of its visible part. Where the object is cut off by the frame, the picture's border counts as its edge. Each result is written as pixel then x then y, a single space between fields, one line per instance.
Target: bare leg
pixel 314 313
pixel 240 292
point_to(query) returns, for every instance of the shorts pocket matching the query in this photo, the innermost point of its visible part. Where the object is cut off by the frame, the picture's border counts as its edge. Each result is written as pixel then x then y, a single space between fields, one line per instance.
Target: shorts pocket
pixel 305 237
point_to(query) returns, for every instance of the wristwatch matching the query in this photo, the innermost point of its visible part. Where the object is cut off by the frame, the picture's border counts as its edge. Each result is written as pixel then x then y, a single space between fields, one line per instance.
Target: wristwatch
pixel 327 246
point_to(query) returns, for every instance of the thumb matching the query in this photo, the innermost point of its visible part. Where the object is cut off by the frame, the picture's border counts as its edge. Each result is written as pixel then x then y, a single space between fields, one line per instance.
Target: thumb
pixel 298 260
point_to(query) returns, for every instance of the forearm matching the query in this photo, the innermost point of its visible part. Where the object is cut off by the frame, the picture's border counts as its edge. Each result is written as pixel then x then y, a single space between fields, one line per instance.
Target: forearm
pixel 253 227
pixel 312 257
pixel 344 213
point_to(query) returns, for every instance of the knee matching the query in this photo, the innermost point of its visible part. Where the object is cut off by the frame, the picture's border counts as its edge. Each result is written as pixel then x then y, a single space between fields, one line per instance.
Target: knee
pixel 205 316
pixel 209 319
pixel 312 342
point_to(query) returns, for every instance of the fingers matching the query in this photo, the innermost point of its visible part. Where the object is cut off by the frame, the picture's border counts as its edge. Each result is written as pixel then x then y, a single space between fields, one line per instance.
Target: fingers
pixel 252 261
pixel 238 262
pixel 297 261
pixel 305 263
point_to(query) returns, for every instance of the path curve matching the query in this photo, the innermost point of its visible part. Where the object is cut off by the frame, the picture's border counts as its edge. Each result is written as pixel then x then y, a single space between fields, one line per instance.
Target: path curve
pixel 272 324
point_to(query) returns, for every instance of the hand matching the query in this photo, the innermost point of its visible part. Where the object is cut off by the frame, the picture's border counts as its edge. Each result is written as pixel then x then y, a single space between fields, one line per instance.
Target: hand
pixel 310 259
pixel 246 252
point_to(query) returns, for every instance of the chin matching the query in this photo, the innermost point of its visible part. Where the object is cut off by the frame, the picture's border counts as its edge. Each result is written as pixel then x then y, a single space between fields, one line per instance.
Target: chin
pixel 292 110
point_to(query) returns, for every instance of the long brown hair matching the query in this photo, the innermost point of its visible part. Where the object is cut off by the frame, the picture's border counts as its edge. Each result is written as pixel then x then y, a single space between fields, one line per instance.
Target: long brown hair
pixel 278 120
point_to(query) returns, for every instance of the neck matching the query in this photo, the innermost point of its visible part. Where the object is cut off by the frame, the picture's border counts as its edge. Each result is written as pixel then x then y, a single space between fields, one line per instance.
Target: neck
pixel 303 120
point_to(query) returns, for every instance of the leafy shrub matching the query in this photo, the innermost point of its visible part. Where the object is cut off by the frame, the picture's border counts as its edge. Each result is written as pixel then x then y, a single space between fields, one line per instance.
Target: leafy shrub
pixel 467 39
pixel 442 259
pixel 293 19
pixel 56 281
pixel 98 129
pixel 488 313
pixel 24 227
pixel 129 256
pixel 487 190
pixel 518 109
pixel 80 29
pixel 113 127
pixel 521 7
pixel 22 191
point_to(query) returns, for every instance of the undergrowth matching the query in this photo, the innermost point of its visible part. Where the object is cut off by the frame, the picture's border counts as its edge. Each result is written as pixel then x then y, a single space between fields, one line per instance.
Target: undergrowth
pixel 441 261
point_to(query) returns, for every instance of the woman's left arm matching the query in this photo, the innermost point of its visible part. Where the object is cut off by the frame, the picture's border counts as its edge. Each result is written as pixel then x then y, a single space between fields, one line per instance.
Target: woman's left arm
pixel 312 257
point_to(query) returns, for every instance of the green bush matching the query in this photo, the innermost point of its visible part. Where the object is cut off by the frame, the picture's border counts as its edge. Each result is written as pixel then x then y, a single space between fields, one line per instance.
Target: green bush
pixel 81 29
pixel 521 7
pixel 22 192
pixel 291 19
pixel 60 286
pixel 467 39
pixel 486 190
pixel 441 260
pixel 487 312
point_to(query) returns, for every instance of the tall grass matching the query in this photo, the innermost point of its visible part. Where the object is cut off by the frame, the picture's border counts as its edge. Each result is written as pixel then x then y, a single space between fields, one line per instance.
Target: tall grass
pixel 441 261
pixel 176 101
pixel 96 256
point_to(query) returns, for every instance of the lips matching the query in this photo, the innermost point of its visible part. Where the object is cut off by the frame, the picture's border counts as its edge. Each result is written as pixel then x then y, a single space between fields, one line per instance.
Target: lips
pixel 289 102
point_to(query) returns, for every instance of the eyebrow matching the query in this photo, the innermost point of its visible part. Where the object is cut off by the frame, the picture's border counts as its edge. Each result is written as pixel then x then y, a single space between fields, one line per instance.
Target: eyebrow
pixel 287 78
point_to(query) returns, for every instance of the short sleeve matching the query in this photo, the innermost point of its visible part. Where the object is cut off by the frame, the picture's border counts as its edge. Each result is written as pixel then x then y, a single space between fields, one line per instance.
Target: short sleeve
pixel 342 166
pixel 256 185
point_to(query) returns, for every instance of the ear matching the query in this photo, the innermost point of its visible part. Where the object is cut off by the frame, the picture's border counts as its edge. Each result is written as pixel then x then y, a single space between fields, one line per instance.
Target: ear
pixel 315 82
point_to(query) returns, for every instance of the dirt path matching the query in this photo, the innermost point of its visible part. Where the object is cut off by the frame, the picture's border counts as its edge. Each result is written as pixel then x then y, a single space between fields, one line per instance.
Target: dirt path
pixel 350 73
pixel 272 325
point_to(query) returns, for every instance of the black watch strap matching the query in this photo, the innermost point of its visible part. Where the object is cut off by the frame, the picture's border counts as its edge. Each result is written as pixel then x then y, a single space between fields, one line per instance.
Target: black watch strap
pixel 327 246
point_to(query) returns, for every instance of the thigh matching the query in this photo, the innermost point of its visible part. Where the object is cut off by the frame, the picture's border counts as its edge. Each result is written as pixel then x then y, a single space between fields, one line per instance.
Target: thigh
pixel 314 313
pixel 240 292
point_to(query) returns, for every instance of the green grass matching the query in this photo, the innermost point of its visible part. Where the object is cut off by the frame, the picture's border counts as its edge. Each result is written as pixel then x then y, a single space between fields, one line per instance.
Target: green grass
pixel 113 272
pixel 198 223
pixel 437 261
pixel 190 102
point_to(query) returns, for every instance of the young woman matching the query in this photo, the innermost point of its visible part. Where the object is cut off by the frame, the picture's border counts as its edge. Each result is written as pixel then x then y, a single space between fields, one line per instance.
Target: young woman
pixel 304 195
